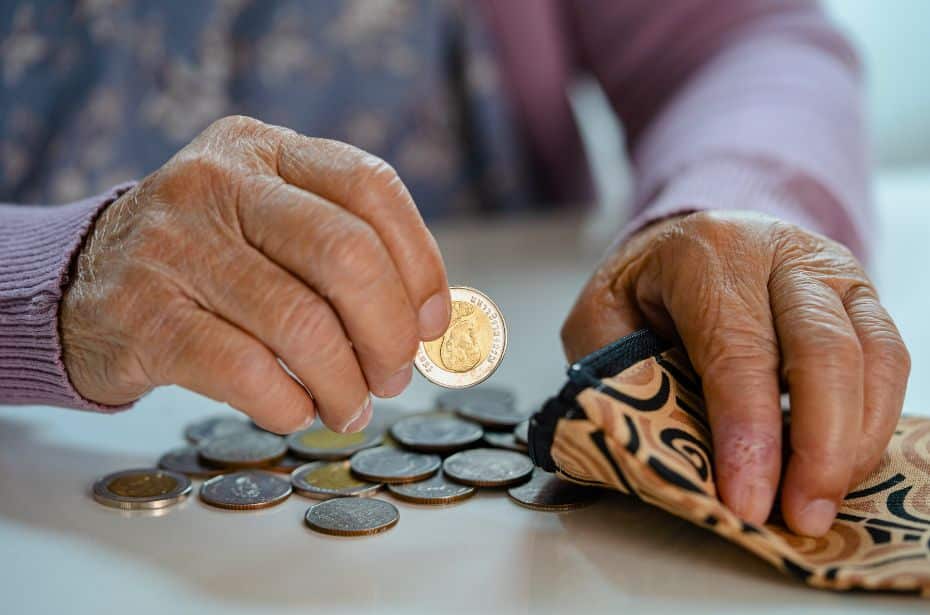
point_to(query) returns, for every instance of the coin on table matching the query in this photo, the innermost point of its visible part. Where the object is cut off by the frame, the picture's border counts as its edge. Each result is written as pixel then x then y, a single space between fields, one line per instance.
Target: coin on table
pixel 247 449
pixel 352 516
pixel 321 443
pixel 215 427
pixel 432 434
pixel 245 490
pixel 435 490
pixel 186 460
pixel 488 467
pixel 329 479
pixel 286 464
pixel 142 489
pixel 548 492
pixel 472 347
pixel 453 400
pixel 493 415
pixel 522 432
pixel 386 464
pixel 504 440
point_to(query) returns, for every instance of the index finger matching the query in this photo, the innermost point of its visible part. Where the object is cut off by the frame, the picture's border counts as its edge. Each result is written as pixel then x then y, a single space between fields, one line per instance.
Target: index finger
pixel 368 187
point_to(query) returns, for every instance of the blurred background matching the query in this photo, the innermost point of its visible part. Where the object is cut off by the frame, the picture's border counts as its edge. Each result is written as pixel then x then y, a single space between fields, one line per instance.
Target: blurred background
pixel 892 39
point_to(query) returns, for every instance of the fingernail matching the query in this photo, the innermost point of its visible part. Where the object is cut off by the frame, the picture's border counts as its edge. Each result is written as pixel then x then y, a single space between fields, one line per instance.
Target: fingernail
pixel 307 422
pixel 396 384
pixel 360 420
pixel 753 502
pixel 434 316
pixel 817 517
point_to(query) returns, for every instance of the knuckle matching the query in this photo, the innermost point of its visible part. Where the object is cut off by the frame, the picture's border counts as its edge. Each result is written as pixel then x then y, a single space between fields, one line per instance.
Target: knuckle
pixel 252 374
pixel 234 125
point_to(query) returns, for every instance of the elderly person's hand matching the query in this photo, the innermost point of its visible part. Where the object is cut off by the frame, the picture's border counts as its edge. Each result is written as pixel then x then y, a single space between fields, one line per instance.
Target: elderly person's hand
pixel 254 243
pixel 759 303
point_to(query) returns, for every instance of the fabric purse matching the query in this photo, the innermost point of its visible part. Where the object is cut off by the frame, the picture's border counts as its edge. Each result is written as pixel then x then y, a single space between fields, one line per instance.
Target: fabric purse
pixel 631 418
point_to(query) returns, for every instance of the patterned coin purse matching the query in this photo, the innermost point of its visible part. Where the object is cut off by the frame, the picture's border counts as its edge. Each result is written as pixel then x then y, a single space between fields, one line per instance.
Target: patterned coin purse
pixel 631 418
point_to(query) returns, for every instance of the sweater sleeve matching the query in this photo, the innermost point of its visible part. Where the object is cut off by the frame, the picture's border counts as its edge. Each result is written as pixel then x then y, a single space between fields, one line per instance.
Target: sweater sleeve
pixel 735 104
pixel 37 245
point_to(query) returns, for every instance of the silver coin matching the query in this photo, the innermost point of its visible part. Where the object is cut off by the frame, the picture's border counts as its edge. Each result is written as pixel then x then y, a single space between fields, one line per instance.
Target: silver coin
pixel 504 440
pixel 432 434
pixel 488 467
pixel 522 432
pixel 286 464
pixel 492 414
pixel 319 443
pixel 215 427
pixel 548 492
pixel 386 464
pixel 186 460
pixel 455 399
pixel 245 449
pixel 323 480
pixel 246 490
pixel 436 490
pixel 142 489
pixel 352 516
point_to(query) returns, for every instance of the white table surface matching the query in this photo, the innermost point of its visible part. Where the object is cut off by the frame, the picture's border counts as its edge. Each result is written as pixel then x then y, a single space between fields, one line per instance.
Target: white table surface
pixel 61 552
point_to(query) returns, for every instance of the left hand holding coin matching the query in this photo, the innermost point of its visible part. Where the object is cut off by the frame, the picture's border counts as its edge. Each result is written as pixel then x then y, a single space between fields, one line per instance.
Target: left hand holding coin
pixel 758 303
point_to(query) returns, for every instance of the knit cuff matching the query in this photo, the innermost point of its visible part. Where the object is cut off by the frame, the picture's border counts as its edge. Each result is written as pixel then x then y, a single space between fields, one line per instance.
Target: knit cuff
pixel 37 245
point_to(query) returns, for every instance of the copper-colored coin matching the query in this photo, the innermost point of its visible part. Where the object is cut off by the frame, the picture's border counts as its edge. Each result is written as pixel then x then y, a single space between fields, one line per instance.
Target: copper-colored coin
pixel 504 440
pixel 286 464
pixel 435 491
pixel 323 480
pixel 548 492
pixel 319 443
pixel 433 434
pixel 141 489
pixel 247 449
pixel 472 347
pixel 522 432
pixel 215 427
pixel 385 464
pixel 488 467
pixel 186 460
pixel 352 516
pixel 246 490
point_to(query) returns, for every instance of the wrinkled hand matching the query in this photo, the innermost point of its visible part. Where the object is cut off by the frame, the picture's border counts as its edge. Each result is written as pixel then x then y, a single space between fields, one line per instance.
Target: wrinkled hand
pixel 757 303
pixel 254 243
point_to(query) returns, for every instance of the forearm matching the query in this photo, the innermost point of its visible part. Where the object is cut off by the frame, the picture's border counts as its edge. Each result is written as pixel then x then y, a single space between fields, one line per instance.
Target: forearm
pixel 37 245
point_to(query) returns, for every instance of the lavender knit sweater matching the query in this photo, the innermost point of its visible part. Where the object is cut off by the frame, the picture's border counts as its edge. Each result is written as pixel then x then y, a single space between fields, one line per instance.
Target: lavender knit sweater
pixel 727 104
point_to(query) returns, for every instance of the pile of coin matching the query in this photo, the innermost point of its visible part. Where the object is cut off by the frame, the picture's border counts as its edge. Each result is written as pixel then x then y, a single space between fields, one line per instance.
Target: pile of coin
pixel 473 439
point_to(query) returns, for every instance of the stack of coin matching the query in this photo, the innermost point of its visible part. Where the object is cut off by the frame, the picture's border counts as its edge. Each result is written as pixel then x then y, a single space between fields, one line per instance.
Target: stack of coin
pixel 475 438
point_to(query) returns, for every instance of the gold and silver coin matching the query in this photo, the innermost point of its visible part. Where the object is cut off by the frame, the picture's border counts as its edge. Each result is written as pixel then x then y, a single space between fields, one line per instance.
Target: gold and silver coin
pixel 352 516
pixel 504 440
pixel 319 443
pixel 386 464
pixel 472 347
pixel 247 449
pixel 142 489
pixel 323 480
pixel 548 492
pixel 436 434
pixel 215 427
pixel 245 490
pixel 186 460
pixel 436 491
pixel 488 467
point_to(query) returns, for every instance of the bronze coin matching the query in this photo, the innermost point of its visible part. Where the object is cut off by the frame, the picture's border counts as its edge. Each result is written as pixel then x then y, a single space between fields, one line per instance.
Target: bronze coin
pixel 432 434
pixel 245 490
pixel 186 460
pixel 247 449
pixel 323 480
pixel 504 440
pixel 548 492
pixel 488 467
pixel 386 464
pixel 142 489
pixel 435 491
pixel 352 516
pixel 215 427
pixel 319 443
